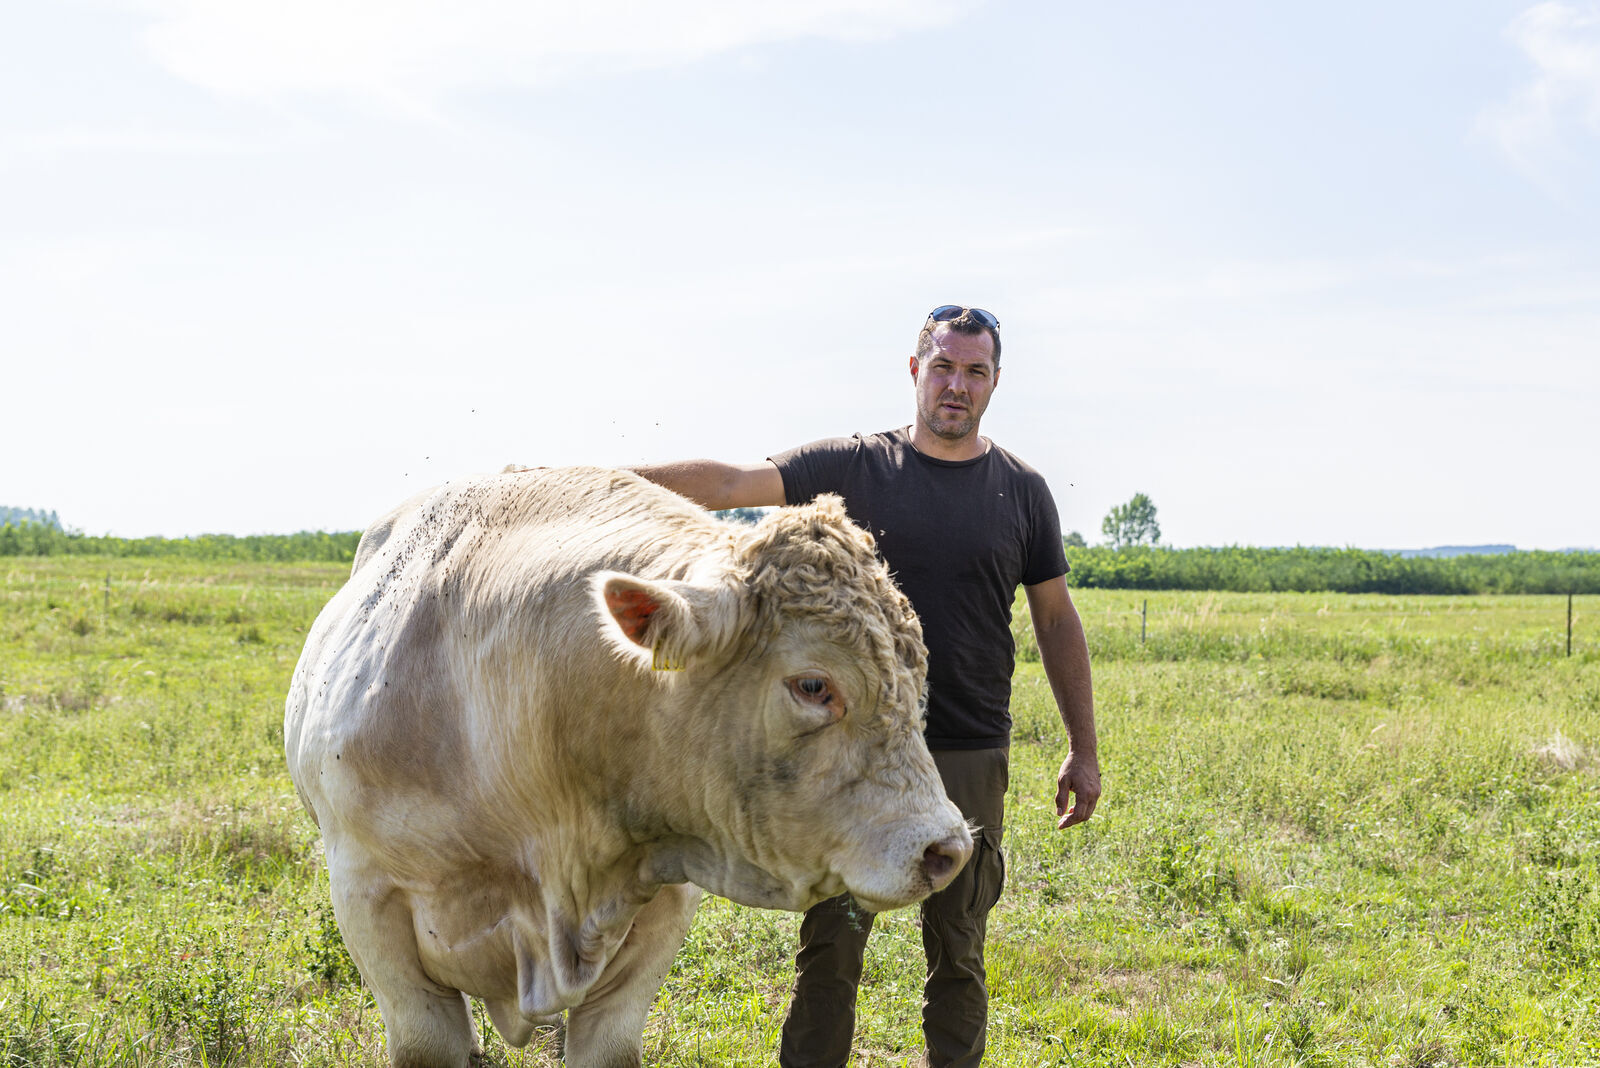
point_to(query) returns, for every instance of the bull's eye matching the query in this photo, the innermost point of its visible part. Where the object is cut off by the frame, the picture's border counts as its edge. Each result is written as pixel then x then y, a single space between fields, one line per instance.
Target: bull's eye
pixel 818 691
pixel 812 689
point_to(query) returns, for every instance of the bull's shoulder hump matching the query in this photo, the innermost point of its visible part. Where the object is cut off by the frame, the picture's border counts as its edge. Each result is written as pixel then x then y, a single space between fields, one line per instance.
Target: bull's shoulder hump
pixel 583 517
pixel 379 531
pixel 500 524
pixel 604 500
pixel 570 485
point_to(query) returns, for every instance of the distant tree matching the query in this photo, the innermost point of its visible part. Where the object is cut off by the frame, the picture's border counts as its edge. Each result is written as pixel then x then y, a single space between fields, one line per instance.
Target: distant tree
pixel 19 516
pixel 1074 540
pixel 1133 523
pixel 741 515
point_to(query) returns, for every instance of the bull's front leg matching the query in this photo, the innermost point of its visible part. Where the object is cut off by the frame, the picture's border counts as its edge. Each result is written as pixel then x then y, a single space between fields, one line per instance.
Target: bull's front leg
pixel 426 1025
pixel 607 1030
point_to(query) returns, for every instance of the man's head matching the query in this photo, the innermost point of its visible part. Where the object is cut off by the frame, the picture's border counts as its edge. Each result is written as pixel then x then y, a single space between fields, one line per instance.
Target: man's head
pixel 962 321
pixel 954 372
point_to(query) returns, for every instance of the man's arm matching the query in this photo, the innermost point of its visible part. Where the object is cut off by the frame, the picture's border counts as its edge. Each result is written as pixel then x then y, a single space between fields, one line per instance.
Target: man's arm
pixel 716 486
pixel 1065 653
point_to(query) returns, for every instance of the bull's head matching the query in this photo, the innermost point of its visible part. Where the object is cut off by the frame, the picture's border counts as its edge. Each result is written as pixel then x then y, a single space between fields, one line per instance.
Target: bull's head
pixel 792 681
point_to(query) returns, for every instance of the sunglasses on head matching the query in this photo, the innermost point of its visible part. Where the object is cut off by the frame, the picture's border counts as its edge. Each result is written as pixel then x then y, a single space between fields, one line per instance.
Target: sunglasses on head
pixel 945 312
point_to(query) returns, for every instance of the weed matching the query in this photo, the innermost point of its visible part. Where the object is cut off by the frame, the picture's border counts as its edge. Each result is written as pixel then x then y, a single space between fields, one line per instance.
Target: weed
pixel 326 957
pixel 1187 871
pixel 209 998
pixel 1565 909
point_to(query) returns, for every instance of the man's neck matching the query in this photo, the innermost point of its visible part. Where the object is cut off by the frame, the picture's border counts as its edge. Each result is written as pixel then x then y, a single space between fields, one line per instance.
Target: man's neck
pixel 932 445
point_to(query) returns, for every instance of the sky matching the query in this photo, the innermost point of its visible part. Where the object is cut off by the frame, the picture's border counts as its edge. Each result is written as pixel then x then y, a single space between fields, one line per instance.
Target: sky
pixel 1303 274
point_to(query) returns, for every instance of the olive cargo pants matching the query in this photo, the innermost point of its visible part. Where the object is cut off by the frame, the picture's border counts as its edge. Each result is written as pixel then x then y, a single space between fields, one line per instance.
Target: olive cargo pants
pixel 955 1003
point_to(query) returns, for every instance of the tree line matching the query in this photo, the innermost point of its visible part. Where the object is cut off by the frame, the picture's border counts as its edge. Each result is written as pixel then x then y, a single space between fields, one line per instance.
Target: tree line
pixel 1245 569
pixel 1130 566
pixel 29 515
pixel 39 539
pixel 1132 558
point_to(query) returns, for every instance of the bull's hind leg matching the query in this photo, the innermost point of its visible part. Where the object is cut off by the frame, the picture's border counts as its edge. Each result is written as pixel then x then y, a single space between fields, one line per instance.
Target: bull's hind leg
pixel 427 1025
pixel 607 1030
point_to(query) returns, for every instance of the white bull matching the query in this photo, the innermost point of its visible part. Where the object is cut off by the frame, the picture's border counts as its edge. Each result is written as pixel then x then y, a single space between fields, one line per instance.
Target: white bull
pixel 547 701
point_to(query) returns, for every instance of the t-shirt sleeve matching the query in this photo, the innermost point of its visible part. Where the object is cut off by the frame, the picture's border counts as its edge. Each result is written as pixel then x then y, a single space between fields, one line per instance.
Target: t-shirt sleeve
pixel 1047 555
pixel 820 467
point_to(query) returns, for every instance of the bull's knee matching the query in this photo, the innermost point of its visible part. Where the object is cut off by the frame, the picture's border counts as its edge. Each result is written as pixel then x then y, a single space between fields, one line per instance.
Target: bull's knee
pixel 426 1025
pixel 429 1031
pixel 626 1055
pixel 607 1030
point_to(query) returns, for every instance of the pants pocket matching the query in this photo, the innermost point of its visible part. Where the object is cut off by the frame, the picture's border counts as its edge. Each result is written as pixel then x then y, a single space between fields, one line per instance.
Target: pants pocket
pixel 989 870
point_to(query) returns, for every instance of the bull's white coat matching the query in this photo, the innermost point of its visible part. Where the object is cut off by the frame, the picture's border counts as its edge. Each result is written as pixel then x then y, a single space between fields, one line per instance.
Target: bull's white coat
pixel 515 802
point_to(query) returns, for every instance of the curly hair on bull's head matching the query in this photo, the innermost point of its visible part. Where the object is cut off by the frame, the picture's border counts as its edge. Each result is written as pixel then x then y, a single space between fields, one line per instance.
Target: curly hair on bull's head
pixel 811 561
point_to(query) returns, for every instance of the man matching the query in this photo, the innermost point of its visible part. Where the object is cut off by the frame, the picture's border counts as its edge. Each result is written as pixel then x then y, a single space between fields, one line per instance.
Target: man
pixel 961 523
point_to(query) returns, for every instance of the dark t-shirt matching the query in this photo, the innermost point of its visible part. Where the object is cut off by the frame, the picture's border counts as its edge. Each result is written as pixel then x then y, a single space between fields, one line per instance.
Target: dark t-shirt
pixel 959 536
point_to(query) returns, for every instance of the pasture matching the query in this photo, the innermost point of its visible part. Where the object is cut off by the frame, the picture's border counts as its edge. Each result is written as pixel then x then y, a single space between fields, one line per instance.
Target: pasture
pixel 1337 830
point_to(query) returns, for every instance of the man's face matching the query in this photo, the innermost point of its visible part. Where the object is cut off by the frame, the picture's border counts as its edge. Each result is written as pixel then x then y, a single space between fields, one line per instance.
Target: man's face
pixel 954 382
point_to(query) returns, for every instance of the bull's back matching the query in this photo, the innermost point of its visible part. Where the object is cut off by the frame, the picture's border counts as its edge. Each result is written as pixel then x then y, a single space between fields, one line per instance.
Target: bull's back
pixel 388 697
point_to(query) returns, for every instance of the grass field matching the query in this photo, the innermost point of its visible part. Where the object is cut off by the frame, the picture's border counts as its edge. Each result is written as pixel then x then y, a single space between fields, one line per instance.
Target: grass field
pixel 1337 830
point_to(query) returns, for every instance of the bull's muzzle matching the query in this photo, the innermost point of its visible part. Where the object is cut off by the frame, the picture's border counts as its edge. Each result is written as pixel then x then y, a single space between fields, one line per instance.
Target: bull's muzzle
pixel 942 860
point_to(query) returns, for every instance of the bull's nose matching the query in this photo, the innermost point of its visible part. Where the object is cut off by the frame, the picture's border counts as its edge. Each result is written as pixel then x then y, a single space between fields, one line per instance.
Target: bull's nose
pixel 943 859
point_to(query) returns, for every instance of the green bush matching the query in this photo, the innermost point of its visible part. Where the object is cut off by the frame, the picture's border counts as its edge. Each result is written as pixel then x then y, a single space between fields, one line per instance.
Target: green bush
pixel 37 539
pixel 1243 569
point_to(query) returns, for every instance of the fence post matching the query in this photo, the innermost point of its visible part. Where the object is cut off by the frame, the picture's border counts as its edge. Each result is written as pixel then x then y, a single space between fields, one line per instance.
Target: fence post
pixel 1145 607
pixel 1569 622
pixel 108 595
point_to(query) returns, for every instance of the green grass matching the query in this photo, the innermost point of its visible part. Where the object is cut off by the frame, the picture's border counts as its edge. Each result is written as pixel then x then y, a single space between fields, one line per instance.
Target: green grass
pixel 1337 830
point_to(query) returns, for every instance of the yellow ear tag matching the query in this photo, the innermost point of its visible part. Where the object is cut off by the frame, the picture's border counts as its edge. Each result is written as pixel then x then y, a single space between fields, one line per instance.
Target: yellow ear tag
pixel 660 661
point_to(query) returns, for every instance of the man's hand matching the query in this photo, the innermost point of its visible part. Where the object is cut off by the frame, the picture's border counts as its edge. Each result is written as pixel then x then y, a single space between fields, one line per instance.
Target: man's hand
pixel 1080 778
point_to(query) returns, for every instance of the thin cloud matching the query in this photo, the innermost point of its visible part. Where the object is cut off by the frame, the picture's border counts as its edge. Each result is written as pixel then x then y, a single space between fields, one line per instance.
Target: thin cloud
pixel 408 57
pixel 1562 41
pixel 147 139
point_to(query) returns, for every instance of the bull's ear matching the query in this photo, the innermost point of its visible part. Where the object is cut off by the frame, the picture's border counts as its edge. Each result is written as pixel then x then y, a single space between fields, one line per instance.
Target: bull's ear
pixel 661 624
pixel 650 617
pixel 642 610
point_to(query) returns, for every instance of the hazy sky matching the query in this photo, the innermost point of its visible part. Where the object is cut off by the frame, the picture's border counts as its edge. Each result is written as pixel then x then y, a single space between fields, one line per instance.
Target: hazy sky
pixel 1320 274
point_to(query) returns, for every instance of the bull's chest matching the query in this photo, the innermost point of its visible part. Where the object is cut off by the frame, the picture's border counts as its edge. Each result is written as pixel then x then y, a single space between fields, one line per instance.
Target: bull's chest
pixel 466 934
pixel 525 950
